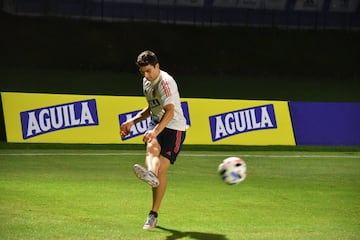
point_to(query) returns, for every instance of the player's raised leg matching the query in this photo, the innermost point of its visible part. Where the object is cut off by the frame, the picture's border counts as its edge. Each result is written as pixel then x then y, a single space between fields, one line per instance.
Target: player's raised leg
pixel 152 162
pixel 152 158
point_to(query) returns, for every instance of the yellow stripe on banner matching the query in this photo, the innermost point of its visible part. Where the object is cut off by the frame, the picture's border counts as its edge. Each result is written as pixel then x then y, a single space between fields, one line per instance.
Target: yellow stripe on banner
pixel 66 118
pixel 201 109
pixel 108 108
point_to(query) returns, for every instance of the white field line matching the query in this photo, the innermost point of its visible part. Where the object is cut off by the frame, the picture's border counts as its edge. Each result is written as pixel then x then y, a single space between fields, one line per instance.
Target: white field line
pixel 183 154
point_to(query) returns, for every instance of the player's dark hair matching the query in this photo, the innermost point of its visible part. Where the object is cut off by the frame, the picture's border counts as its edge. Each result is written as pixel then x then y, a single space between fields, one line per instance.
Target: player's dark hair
pixel 145 58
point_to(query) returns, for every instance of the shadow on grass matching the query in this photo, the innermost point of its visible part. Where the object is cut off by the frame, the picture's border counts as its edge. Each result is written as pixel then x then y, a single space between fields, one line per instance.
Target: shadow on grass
pixel 194 235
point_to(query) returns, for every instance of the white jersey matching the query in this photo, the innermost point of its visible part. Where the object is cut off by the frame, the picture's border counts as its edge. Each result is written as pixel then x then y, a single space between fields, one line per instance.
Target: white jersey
pixel 161 92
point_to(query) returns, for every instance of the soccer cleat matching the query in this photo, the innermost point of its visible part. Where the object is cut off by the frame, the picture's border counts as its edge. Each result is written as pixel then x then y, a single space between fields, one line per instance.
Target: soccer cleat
pixel 147 176
pixel 150 222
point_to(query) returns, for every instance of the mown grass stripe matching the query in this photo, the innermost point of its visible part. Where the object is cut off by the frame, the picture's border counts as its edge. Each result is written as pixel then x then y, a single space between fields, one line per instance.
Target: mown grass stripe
pixel 183 154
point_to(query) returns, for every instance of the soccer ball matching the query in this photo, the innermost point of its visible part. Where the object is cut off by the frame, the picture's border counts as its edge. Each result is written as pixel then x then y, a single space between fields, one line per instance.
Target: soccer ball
pixel 232 170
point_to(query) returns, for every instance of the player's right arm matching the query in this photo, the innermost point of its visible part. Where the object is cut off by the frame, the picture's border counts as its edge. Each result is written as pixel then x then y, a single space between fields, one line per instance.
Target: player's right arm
pixel 126 126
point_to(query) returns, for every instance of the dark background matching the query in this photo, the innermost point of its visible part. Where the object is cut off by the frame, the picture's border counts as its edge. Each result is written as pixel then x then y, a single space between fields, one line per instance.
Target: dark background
pixel 62 55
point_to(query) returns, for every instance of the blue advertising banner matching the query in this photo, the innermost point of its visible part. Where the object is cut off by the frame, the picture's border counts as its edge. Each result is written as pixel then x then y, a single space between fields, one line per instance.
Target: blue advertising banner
pixel 242 121
pixel 318 123
pixel 53 118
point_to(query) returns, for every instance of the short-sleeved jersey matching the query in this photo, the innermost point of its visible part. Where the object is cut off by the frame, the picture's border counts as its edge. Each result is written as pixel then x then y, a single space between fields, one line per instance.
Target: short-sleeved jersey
pixel 161 92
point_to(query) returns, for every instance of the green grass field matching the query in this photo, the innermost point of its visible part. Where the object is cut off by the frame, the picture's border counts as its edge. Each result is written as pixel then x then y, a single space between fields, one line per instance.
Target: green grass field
pixel 93 194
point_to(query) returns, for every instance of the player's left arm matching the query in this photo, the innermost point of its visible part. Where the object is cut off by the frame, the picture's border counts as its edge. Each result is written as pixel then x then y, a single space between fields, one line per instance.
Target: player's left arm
pixel 166 118
pixel 166 89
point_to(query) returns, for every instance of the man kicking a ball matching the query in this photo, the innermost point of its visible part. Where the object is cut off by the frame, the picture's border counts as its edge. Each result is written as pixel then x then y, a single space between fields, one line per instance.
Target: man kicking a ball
pixel 166 131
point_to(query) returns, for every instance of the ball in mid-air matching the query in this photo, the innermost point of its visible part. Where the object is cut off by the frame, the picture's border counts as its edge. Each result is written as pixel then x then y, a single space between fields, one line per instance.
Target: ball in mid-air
pixel 232 170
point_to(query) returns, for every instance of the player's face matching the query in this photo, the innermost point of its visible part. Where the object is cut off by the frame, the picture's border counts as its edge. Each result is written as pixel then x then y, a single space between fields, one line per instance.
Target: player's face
pixel 150 72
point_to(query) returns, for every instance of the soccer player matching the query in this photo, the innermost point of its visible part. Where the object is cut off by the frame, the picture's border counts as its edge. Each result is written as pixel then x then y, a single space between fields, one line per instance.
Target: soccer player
pixel 166 131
